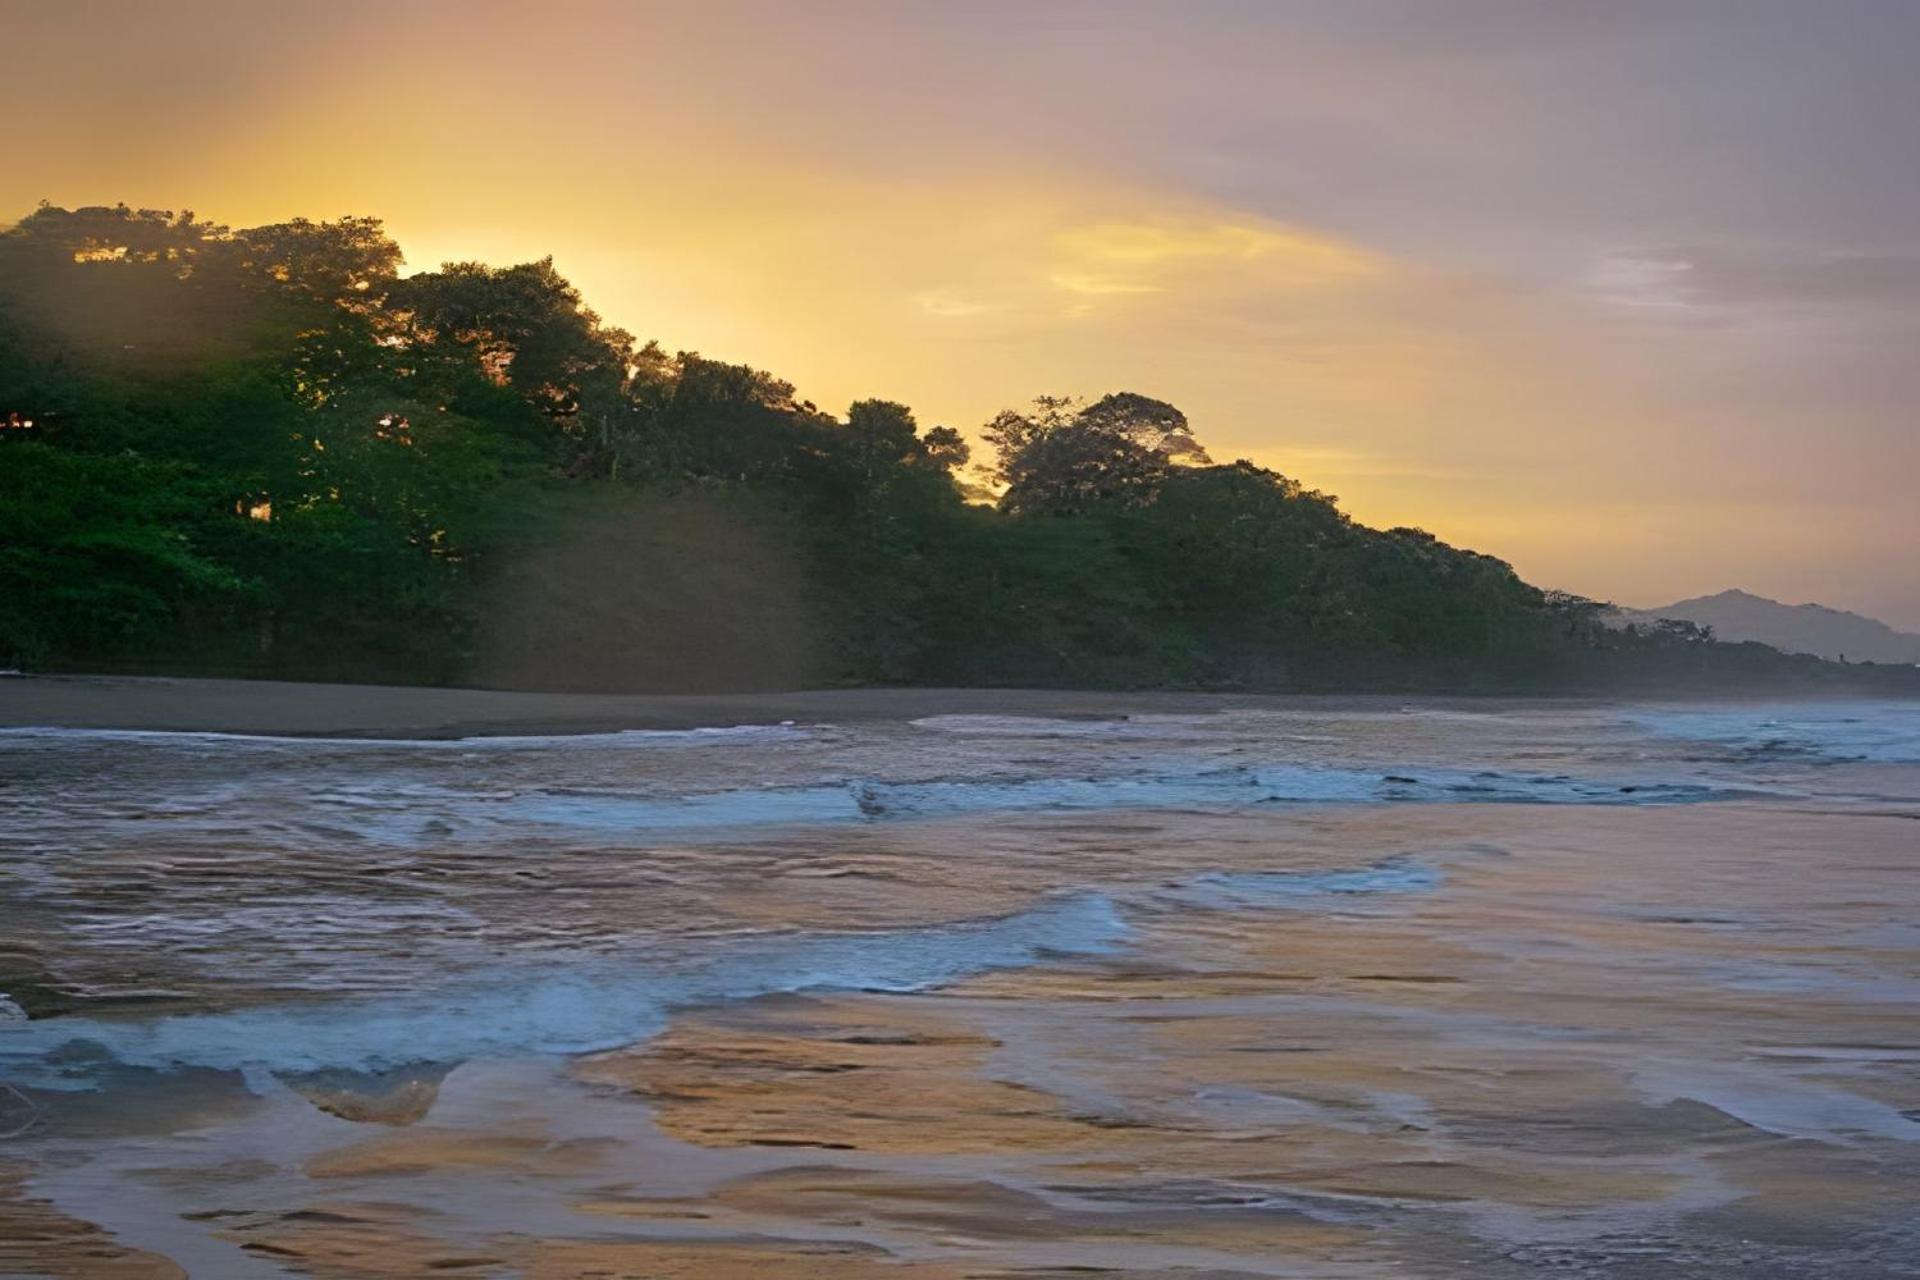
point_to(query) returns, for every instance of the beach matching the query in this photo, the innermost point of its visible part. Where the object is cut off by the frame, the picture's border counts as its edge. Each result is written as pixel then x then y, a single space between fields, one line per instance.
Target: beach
pixel 357 982
pixel 274 707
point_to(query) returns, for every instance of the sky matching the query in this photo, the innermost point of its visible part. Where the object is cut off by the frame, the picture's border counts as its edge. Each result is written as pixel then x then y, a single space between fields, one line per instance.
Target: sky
pixel 1626 293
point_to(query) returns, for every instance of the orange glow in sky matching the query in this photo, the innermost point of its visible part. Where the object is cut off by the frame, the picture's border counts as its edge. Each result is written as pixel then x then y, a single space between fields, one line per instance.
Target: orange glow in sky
pixel 1561 283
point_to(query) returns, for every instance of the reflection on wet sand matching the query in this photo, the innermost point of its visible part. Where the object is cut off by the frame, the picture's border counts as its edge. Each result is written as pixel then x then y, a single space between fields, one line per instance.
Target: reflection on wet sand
pixel 1639 1043
pixel 36 1239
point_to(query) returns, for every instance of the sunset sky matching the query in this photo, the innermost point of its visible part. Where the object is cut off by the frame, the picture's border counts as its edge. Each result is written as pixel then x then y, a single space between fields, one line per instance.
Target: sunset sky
pixel 1627 293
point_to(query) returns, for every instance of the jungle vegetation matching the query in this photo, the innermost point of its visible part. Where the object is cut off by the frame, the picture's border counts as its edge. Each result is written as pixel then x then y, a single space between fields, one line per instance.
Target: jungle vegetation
pixel 266 451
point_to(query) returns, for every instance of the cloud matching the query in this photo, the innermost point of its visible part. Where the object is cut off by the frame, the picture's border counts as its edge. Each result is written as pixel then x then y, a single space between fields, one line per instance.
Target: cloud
pixel 1721 277
pixel 1099 285
pixel 1019 259
pixel 951 303
pixel 1116 257
pixel 1147 242
pixel 1338 236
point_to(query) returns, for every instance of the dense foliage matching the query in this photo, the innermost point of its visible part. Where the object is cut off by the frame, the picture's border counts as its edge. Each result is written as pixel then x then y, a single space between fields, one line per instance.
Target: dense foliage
pixel 265 451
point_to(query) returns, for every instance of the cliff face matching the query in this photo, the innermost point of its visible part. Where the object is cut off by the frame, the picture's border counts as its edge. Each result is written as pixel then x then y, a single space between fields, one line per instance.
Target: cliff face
pixel 1792 628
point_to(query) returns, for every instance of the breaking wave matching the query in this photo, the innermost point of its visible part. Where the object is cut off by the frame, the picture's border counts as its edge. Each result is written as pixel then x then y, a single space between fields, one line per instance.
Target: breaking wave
pixel 580 1008
pixel 1832 733
pixel 604 1005
pixel 431 809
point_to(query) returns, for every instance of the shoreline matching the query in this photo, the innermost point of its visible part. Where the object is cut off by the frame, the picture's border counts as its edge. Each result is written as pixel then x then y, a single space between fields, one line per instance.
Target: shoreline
pixel 274 708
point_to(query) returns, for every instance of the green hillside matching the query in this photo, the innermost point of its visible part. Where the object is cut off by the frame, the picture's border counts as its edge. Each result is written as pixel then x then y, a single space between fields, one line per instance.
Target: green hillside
pixel 266 452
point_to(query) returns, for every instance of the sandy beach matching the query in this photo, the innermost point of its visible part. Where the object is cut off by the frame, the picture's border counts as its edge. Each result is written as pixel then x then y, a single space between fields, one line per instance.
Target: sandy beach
pixel 960 641
pixel 402 711
pixel 953 986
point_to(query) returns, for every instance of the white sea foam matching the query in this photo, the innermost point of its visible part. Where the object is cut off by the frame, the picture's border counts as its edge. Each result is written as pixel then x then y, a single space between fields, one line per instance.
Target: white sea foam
pixel 1237 890
pixel 1248 721
pixel 1779 1103
pixel 1203 790
pixel 578 1009
pixel 599 1005
pixel 1148 727
pixel 1879 732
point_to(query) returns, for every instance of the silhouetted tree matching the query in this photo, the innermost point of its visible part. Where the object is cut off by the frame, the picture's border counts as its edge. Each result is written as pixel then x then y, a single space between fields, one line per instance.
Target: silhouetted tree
pixel 263 451
pixel 117 233
pixel 527 329
pixel 1068 458
pixel 351 260
pixel 947 448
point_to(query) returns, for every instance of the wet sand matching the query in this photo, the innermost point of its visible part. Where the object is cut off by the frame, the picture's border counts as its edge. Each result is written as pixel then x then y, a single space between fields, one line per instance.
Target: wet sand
pixel 1623 1042
pixel 1512 1077
pixel 413 711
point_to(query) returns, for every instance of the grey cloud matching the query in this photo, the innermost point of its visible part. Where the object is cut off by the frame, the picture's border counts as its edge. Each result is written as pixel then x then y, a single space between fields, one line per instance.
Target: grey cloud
pixel 1730 276
pixel 1722 277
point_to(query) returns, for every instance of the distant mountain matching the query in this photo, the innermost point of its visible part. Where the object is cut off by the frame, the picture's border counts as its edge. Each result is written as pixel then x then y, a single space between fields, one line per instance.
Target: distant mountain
pixel 1792 628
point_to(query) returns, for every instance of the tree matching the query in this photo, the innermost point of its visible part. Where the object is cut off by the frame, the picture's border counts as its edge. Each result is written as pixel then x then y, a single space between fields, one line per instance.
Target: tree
pixel 528 329
pixel 884 435
pixel 1011 432
pixel 706 419
pixel 1683 630
pixel 351 260
pixel 261 451
pixel 883 431
pixel 946 448
pixel 1067 458
pixel 117 233
pixel 1242 540
pixel 1152 424
pixel 100 551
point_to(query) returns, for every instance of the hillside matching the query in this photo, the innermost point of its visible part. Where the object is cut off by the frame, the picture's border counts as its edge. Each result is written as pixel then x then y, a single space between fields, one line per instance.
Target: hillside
pixel 1792 628
pixel 266 452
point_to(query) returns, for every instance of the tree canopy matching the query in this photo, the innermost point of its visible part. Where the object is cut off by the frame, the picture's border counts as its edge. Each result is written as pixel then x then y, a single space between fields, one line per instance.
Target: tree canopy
pixel 268 450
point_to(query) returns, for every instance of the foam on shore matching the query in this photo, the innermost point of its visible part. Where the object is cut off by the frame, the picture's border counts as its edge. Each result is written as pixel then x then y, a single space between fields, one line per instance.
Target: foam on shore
pixel 603 1004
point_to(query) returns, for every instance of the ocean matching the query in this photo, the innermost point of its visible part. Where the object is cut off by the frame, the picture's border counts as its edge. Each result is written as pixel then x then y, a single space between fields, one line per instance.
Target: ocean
pixel 1528 988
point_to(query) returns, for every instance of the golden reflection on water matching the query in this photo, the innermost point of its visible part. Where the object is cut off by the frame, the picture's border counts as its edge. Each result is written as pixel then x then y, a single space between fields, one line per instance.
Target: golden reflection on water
pixel 1642 1042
